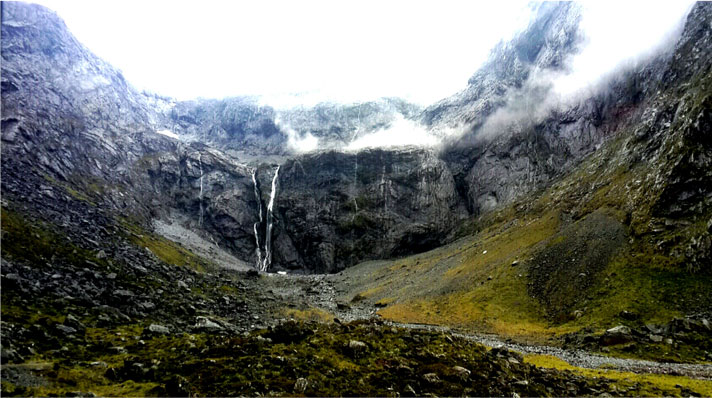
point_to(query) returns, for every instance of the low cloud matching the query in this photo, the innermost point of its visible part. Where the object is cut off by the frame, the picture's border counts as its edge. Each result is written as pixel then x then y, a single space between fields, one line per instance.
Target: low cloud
pixel 402 132
pixel 618 38
pixel 298 143
pixel 615 42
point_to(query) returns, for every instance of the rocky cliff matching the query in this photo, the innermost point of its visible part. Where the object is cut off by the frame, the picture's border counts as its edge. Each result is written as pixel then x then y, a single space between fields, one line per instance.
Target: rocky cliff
pixel 73 121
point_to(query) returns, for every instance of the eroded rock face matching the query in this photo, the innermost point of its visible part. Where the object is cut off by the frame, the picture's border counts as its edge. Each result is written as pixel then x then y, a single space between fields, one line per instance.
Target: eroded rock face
pixel 335 209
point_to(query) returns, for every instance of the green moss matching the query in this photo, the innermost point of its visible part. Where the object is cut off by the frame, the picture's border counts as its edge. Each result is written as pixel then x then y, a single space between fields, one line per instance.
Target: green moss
pixel 38 243
pixel 645 384
pixel 385 360
pixel 166 250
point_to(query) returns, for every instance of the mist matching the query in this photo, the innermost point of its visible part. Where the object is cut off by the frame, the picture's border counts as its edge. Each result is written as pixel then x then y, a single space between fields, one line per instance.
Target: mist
pixel 613 43
pixel 401 133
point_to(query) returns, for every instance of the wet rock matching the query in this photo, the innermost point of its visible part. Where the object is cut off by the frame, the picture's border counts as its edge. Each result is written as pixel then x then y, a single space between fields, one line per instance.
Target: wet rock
pixel 618 335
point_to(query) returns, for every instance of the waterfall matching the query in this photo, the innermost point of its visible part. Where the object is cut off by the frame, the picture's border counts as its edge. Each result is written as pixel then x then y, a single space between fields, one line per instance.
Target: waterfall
pixel 268 237
pixel 355 188
pixel 258 197
pixel 384 188
pixel 200 196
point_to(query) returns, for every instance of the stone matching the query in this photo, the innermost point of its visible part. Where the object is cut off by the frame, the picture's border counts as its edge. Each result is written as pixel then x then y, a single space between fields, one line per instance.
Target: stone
pixel 123 293
pixel 357 348
pixel 706 324
pixel 71 321
pixel 461 372
pixel 431 378
pixel 655 338
pixel 155 329
pixel 515 263
pixel 654 329
pixel 301 385
pixel 617 335
pixel 68 330
pixel 409 391
pixel 206 324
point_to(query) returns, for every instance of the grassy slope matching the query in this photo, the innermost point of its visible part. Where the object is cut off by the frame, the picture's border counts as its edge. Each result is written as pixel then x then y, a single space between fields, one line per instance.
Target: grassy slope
pixel 471 284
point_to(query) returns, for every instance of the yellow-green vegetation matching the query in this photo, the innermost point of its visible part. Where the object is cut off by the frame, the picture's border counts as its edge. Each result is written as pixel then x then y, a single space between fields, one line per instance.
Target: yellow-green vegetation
pixel 296 359
pixel 475 287
pixel 165 249
pixel 309 314
pixel 472 283
pixel 38 243
pixel 650 382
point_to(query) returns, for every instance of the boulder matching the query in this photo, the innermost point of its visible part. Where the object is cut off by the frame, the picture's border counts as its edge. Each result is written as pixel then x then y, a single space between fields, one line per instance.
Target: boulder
pixel 301 385
pixel 356 348
pixel 461 372
pixel 206 324
pixel 155 329
pixel 618 335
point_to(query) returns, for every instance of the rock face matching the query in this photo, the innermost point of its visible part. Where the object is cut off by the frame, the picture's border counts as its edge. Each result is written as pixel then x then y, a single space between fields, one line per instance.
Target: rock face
pixel 336 209
pixel 72 120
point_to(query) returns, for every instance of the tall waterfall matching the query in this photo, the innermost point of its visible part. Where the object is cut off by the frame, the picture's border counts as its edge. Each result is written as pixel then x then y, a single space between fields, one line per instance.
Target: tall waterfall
pixel 384 190
pixel 268 237
pixel 256 226
pixel 200 196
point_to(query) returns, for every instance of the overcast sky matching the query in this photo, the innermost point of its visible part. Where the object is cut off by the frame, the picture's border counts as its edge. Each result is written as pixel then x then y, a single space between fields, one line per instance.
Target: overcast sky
pixel 338 50
pixel 423 51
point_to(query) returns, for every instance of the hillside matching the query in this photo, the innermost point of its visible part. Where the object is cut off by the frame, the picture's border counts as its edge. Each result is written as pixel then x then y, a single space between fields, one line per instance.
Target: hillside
pixel 227 247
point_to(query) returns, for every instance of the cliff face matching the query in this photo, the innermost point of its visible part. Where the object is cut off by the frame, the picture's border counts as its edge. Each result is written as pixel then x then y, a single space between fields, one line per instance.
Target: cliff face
pixel 336 209
pixel 72 121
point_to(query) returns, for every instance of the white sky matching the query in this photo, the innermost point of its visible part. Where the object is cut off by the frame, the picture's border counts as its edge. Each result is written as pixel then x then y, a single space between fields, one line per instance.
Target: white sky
pixel 339 50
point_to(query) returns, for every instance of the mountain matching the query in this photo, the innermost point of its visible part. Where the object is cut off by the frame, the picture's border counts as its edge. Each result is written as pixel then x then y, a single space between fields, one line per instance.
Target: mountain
pixel 134 222
pixel 248 129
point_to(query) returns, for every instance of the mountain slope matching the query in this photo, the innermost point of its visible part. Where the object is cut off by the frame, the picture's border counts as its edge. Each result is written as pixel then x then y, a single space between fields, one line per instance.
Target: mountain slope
pixel 623 237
